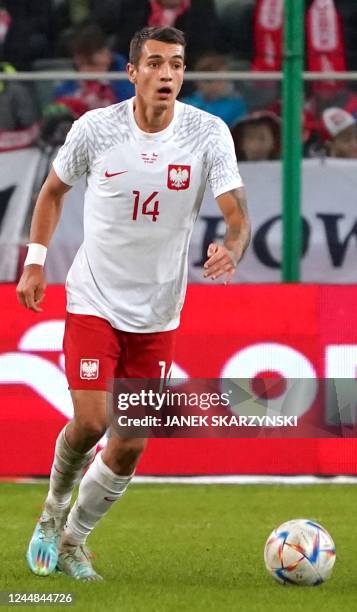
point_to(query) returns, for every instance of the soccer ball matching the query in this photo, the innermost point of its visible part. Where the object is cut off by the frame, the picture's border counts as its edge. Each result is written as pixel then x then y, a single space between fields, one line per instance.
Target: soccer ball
pixel 300 552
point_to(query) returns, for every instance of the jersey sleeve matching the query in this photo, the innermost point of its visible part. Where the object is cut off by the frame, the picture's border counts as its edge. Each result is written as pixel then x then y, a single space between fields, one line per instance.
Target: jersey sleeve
pixel 71 161
pixel 223 167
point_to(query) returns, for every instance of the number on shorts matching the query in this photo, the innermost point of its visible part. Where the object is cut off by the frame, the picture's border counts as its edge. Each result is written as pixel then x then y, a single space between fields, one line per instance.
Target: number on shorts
pixel 165 374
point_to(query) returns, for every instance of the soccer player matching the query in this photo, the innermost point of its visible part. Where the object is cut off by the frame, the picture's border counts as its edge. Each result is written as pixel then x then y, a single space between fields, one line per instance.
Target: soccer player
pixel 146 162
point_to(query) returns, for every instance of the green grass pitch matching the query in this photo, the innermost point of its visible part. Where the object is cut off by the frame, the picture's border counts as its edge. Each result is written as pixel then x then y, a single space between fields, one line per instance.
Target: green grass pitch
pixel 166 548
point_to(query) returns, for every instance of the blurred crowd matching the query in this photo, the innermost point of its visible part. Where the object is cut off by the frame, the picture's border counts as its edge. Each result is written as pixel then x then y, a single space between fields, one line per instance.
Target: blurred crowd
pixel 222 35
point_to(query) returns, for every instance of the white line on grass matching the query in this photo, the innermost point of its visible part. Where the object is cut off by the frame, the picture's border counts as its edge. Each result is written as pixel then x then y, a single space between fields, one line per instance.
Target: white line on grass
pixel 214 480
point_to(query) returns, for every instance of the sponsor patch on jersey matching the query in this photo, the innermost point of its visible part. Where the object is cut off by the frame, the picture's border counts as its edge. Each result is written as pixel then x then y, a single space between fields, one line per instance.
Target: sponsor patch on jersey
pixel 178 177
pixel 89 369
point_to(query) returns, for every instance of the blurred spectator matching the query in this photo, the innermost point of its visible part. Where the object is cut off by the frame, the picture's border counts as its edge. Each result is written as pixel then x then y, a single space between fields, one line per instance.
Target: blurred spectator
pixel 91 54
pixel 18 114
pixel 25 31
pixel 71 14
pixel 257 137
pixel 348 12
pixel 267 43
pixel 340 133
pixel 340 97
pixel 237 27
pixel 17 109
pixel 197 18
pixel 217 96
pixel 108 15
pixel 56 122
pixel 68 15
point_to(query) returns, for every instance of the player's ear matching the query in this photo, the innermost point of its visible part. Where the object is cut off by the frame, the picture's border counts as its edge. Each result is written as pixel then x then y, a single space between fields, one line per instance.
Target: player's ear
pixel 131 70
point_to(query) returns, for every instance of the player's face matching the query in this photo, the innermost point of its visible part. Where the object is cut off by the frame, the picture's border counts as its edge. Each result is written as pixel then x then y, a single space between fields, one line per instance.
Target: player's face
pixel 159 74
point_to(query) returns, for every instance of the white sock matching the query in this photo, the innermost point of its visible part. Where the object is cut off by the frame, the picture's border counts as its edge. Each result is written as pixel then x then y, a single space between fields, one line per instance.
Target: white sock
pixel 98 490
pixel 67 470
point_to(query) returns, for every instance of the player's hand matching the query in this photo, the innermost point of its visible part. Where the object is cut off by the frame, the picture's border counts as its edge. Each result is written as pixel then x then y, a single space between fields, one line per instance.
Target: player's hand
pixel 31 288
pixel 221 261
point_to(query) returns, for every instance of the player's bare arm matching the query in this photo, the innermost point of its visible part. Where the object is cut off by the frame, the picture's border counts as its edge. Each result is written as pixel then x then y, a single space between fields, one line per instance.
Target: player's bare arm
pixel 224 258
pixel 31 287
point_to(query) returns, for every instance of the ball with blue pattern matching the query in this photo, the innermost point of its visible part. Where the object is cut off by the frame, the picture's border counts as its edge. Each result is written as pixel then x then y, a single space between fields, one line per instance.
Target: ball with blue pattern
pixel 300 552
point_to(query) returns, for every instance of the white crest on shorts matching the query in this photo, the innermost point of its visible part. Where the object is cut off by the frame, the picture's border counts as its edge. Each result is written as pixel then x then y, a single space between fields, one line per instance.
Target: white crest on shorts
pixel 89 369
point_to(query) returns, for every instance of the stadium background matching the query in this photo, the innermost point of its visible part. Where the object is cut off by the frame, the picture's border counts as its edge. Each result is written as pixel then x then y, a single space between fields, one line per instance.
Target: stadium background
pixel 312 322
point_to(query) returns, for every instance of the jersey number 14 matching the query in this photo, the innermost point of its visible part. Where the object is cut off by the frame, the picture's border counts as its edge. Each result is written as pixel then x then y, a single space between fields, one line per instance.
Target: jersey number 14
pixel 150 206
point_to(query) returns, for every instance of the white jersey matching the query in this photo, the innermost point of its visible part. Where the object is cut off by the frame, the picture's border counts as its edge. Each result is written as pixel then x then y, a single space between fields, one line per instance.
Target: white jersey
pixel 143 194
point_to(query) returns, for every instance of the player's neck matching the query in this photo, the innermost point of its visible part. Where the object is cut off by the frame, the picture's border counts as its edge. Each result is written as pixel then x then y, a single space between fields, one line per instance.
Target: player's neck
pixel 150 119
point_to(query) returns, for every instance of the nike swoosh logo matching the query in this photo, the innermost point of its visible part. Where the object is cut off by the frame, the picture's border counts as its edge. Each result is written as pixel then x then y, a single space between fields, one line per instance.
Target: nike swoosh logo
pixel 110 499
pixel 110 174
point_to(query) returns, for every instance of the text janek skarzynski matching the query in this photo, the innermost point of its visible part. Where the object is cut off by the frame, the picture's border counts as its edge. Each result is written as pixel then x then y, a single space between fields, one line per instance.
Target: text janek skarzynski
pixel 229 420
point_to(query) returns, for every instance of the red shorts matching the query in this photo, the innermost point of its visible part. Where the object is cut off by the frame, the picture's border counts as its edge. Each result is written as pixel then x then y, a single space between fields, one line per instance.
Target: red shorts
pixel 95 353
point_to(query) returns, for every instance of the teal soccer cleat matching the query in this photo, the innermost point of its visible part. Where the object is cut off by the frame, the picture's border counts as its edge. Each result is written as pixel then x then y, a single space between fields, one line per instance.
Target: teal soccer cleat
pixel 42 553
pixel 75 562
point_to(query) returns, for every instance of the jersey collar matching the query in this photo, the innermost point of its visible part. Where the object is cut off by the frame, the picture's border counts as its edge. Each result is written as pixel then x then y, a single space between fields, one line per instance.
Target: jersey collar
pixel 152 136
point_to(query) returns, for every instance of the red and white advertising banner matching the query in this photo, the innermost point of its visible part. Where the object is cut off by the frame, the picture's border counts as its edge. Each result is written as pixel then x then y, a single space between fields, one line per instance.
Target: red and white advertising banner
pixel 289 331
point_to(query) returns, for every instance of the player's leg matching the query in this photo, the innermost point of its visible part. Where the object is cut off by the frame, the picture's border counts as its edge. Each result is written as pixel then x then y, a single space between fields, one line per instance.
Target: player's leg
pixel 74 451
pixel 103 484
pixel 109 475
pixel 76 446
pixel 76 443
pixel 100 488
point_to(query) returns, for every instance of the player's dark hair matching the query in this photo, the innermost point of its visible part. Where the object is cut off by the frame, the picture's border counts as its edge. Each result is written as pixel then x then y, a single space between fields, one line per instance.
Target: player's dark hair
pixel 163 34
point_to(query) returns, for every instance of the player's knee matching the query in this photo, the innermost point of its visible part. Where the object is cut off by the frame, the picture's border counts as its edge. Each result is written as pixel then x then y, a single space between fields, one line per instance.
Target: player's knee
pixel 125 454
pixel 130 449
pixel 90 429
